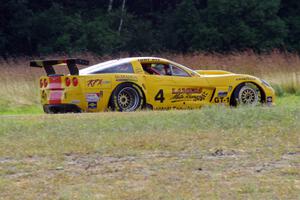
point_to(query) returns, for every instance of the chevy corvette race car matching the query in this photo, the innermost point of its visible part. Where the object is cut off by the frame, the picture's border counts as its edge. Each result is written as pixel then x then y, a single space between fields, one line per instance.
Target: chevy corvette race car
pixel 131 84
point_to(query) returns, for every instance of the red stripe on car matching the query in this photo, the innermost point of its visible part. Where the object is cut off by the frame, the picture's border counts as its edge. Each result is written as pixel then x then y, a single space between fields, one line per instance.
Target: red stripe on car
pixel 56 90
pixel 55 96
pixel 55 83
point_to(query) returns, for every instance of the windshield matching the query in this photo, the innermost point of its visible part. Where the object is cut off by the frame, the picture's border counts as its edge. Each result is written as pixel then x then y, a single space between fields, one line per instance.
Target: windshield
pixel 192 72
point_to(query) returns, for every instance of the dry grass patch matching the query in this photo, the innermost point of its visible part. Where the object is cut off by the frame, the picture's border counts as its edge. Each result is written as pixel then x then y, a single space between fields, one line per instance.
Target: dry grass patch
pixel 19 82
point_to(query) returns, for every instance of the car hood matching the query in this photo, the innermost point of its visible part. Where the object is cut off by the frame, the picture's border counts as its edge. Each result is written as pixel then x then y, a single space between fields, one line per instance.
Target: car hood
pixel 213 72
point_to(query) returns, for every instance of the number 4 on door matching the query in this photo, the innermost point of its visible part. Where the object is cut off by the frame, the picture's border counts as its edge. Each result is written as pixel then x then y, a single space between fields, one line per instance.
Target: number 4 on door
pixel 160 96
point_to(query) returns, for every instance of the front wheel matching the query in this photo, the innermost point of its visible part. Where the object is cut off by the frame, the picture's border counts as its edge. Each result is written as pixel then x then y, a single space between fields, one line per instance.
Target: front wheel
pixel 126 98
pixel 246 95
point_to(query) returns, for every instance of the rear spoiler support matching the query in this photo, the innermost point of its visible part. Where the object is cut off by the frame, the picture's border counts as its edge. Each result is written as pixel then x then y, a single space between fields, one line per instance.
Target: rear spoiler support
pixel 48 65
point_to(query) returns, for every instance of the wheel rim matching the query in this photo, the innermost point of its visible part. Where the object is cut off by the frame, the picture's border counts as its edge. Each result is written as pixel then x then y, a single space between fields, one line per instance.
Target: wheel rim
pixel 248 96
pixel 128 99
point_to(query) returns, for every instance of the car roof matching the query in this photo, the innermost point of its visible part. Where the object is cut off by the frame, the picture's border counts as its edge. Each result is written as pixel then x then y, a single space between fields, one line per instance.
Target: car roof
pixel 115 62
pixel 150 59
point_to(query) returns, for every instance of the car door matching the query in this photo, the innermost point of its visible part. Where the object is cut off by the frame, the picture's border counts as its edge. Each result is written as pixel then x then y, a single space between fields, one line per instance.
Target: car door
pixel 159 87
pixel 189 91
pixel 171 87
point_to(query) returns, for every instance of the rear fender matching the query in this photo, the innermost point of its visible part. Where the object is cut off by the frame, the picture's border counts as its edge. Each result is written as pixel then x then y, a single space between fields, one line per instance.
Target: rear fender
pixel 139 88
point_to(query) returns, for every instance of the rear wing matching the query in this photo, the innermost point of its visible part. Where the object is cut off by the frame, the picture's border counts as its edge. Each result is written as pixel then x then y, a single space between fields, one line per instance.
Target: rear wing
pixel 48 65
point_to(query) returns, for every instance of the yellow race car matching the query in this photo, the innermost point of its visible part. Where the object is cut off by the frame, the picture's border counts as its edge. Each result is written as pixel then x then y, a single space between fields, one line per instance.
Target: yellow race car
pixel 131 84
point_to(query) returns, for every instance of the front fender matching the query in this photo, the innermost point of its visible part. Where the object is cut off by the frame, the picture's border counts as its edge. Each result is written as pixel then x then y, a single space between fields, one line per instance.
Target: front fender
pixel 268 92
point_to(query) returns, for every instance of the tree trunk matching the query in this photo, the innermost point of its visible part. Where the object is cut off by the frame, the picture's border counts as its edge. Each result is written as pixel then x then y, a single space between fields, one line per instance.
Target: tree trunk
pixel 110 3
pixel 122 15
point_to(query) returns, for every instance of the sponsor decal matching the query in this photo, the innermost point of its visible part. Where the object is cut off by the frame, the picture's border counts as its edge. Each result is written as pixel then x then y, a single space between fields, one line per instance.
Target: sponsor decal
pixel 187 91
pixel 138 70
pixel 105 82
pixel 149 60
pixel 164 108
pixel 92 97
pixel 222 94
pixel 124 78
pixel 179 97
pixel 92 105
pixel 75 101
pixel 172 108
pixel 245 79
pixel 221 99
pixel 269 99
pixel 94 82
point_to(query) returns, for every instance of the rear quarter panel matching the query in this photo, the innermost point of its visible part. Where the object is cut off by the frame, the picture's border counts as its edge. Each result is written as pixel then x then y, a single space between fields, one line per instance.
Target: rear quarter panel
pixel 103 86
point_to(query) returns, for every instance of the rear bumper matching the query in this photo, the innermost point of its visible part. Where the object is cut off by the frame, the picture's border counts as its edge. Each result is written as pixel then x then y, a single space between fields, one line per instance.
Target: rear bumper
pixel 61 108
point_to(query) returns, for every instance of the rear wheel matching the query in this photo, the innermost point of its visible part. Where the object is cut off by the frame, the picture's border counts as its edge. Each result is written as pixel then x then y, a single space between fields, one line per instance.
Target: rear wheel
pixel 246 94
pixel 127 98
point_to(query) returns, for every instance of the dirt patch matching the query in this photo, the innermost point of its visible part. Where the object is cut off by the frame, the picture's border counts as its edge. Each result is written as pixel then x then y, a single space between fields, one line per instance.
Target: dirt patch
pixel 146 163
pixel 290 160
pixel 6 160
pixel 146 169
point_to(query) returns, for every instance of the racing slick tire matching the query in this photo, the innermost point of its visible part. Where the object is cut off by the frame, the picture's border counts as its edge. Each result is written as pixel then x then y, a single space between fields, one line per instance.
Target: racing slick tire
pixel 127 97
pixel 245 95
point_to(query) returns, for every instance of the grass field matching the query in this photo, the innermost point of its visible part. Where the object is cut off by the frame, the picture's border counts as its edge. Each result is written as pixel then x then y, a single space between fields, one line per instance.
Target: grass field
pixel 212 153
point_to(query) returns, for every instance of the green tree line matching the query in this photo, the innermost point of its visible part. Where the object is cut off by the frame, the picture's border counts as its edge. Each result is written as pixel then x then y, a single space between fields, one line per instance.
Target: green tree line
pixel 35 27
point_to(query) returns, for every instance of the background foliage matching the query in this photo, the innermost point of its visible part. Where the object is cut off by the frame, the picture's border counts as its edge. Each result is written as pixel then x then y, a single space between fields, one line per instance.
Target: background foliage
pixel 33 27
